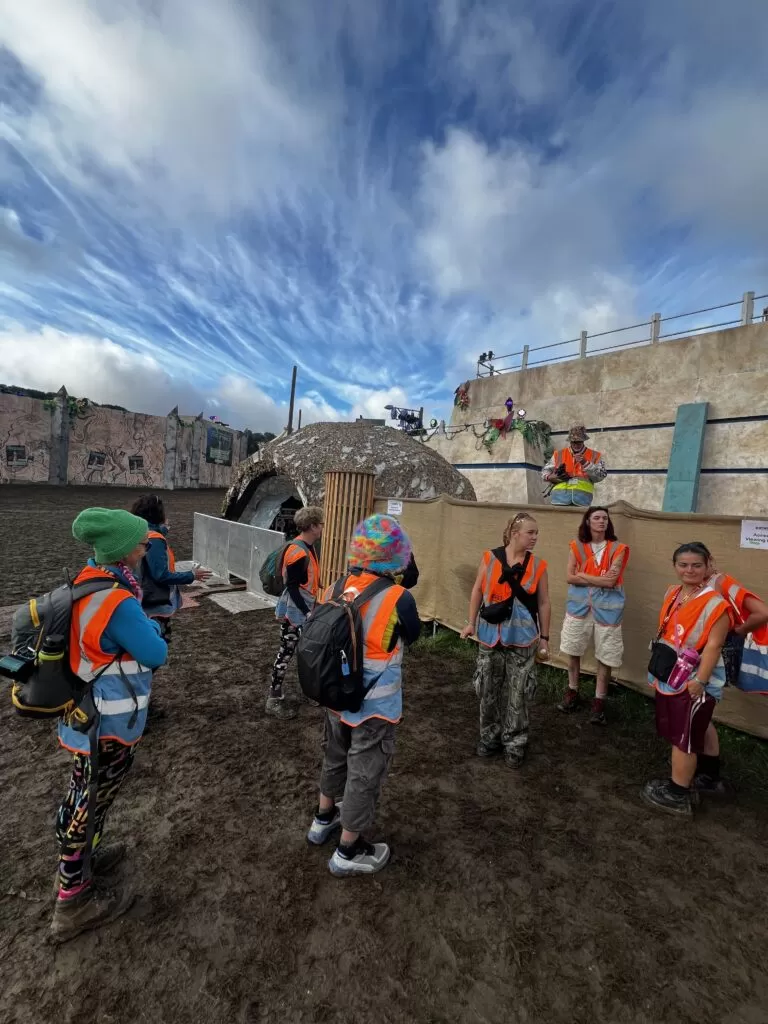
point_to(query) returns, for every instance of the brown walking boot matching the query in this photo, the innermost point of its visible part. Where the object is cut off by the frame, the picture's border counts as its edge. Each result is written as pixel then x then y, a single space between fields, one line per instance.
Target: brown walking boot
pixel 90 909
pixel 570 702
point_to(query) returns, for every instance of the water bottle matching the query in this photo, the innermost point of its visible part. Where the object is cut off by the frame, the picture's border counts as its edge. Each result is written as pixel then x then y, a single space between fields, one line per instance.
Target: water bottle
pixel 687 662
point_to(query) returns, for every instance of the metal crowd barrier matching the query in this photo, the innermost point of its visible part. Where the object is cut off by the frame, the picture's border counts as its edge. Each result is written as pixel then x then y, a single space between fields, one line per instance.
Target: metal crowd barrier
pixel 228 548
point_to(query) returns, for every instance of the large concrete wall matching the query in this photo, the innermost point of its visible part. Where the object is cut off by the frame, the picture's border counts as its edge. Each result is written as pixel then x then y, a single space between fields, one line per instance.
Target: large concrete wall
pixel 132 446
pixel 50 441
pixel 628 401
pixel 25 436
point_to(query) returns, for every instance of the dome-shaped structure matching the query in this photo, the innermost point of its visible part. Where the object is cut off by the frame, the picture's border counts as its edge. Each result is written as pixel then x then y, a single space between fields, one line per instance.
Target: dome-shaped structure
pixel 289 472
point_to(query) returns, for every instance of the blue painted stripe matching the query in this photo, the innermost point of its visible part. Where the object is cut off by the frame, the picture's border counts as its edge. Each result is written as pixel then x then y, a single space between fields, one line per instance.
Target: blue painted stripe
pixel 639 472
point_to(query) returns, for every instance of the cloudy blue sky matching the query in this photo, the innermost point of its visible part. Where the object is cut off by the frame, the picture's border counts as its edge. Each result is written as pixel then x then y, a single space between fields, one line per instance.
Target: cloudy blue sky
pixel 195 194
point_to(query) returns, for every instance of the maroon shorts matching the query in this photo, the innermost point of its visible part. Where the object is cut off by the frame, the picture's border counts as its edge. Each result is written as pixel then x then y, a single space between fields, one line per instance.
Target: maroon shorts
pixel 683 721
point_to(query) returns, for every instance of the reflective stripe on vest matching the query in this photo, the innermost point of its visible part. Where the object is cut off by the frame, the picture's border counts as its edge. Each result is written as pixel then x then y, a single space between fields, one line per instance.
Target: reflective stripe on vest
pixel 577 488
pixel 519 629
pixel 734 592
pixel 690 626
pixel 605 603
pixel 90 618
pixel 286 609
pixel 382 669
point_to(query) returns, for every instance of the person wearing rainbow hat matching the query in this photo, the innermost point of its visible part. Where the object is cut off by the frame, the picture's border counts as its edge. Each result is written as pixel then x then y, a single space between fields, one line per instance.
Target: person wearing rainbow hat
pixel 359 746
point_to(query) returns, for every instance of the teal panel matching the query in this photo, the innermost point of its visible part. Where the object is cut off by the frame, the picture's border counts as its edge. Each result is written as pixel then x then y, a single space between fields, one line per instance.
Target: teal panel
pixel 682 490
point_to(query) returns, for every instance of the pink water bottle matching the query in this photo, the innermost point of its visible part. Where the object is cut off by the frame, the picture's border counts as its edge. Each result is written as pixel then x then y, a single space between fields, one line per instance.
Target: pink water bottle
pixel 687 662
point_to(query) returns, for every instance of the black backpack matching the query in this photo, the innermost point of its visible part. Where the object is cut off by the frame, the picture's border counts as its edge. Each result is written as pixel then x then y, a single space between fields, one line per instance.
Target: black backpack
pixel 329 655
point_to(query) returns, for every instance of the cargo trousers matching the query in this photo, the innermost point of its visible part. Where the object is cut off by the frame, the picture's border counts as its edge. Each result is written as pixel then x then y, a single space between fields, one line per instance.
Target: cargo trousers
pixel 355 764
pixel 505 680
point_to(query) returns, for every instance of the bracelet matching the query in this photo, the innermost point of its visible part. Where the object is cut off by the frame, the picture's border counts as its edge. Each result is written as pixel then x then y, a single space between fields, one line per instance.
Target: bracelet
pixel 542 637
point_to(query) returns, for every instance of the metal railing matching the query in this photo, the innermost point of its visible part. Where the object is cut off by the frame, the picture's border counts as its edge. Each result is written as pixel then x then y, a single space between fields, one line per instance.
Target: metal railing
pixel 651 333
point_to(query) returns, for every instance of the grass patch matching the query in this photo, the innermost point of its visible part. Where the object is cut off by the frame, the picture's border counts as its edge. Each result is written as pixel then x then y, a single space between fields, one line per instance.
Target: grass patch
pixel 444 643
pixel 745 757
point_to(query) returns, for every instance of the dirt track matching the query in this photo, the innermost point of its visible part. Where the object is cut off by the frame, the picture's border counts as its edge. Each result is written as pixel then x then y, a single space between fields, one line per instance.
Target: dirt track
pixel 548 895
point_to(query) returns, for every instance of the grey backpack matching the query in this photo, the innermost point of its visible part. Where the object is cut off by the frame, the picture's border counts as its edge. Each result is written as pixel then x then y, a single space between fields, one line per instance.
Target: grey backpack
pixel 42 683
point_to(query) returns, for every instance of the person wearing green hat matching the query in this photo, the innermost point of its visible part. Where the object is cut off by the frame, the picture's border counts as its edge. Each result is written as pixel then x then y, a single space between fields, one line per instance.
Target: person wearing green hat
pixel 113 647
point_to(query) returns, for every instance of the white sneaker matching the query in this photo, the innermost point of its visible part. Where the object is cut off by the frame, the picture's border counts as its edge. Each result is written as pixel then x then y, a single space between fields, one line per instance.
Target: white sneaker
pixel 321 831
pixel 367 860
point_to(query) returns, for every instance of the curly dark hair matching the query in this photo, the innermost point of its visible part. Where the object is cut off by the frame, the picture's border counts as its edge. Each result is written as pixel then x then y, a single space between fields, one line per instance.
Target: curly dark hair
pixel 151 508
pixel 585 533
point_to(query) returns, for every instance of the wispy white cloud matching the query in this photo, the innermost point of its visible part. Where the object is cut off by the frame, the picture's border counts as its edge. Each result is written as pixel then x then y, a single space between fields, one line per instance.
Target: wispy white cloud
pixel 376 192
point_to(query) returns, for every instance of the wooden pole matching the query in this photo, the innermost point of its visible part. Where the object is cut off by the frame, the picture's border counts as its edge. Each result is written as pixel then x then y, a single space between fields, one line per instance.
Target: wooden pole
pixel 293 400
pixel 299 426
pixel 349 497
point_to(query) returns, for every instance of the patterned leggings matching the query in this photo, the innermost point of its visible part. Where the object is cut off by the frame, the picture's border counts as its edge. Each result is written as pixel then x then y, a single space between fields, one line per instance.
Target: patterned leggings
pixel 115 760
pixel 289 638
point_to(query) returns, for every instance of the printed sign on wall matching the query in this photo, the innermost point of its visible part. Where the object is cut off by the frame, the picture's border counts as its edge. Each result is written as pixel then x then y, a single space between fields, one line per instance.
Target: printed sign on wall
pixel 754 533
pixel 218 448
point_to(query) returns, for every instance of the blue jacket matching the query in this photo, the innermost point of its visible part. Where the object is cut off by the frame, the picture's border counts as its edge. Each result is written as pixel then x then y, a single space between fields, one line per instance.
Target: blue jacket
pixel 160 584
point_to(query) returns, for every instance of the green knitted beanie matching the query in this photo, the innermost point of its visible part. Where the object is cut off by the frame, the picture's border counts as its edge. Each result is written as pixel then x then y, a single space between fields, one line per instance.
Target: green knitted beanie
pixel 112 532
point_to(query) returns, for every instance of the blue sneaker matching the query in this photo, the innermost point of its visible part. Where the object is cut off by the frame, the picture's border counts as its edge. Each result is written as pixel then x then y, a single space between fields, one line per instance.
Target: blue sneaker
pixel 321 831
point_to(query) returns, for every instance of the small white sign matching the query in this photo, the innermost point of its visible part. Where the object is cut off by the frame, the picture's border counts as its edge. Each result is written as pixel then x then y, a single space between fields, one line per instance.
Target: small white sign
pixel 754 533
pixel 395 508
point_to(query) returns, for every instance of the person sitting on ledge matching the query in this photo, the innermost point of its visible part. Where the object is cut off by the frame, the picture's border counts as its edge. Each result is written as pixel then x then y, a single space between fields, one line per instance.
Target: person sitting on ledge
pixel 574 471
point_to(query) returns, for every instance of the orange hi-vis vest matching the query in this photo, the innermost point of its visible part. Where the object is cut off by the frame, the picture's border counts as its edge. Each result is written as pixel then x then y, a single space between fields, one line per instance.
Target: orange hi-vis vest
pixel 154 535
pixel 736 595
pixel 605 603
pixel 161 600
pixel 382 668
pixel 121 691
pixel 575 470
pixel 519 629
pixel 578 489
pixel 286 609
pixel 689 625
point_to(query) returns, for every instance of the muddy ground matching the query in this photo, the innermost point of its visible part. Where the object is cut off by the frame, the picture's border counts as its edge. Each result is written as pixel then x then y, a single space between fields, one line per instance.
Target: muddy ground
pixel 548 895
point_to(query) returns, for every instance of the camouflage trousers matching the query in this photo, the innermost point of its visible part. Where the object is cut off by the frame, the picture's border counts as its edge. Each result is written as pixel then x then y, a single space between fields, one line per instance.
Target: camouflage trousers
pixel 505 681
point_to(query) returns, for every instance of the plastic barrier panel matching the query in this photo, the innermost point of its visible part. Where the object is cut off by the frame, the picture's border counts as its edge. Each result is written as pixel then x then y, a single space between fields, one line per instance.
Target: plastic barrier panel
pixel 235 549
pixel 264 542
pixel 210 543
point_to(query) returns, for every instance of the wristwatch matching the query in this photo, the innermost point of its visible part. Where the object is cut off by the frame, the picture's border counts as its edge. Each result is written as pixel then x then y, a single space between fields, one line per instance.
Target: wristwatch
pixel 544 638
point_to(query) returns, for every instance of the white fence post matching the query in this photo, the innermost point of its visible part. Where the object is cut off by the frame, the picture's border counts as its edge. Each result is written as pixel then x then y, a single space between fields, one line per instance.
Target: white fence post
pixel 747 307
pixel 583 345
pixel 655 327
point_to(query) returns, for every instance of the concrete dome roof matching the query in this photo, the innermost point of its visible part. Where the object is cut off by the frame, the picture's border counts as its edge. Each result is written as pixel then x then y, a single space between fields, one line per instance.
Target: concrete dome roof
pixel 404 467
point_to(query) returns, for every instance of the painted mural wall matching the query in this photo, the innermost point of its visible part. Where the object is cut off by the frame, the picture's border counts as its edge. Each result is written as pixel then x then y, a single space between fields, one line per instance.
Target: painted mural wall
pixel 61 441
pixel 25 440
pixel 118 448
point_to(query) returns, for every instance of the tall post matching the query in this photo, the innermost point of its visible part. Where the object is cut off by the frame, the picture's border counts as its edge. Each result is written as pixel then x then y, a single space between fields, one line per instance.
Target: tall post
pixel 293 399
pixel 655 328
pixel 349 497
pixel 583 345
pixel 747 307
pixel 58 469
pixel 524 361
pixel 299 424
